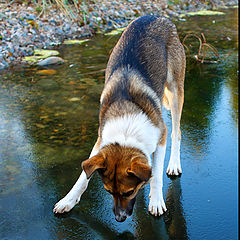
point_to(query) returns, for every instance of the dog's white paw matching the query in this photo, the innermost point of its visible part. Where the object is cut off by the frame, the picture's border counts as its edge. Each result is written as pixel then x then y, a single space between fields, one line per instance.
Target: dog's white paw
pixel 174 168
pixel 65 204
pixel 156 205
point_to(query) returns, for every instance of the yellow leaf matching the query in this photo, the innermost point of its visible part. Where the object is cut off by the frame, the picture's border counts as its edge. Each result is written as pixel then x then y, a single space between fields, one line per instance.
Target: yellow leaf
pixel 44 52
pixel 74 99
pixel 71 82
pixel 46 72
pixel 39 125
pixel 69 42
pixel 43 117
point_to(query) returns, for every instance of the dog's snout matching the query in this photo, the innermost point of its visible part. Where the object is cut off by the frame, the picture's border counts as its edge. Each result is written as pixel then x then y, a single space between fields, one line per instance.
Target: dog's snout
pixel 121 212
pixel 120 215
pixel 120 218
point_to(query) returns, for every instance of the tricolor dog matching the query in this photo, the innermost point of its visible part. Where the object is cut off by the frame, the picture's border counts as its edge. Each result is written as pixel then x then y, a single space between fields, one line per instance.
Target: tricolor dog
pixel 145 71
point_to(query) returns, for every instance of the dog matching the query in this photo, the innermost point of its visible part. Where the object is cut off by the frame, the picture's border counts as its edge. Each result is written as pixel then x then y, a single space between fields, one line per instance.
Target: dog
pixel 145 71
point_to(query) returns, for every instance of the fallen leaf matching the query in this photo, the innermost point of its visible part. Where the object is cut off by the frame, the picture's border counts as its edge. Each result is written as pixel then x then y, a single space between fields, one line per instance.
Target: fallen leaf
pixel 69 42
pixel 53 137
pixel 46 72
pixel 44 52
pixel 202 13
pixel 74 99
pixel 43 117
pixel 39 125
pixel 71 82
pixel 40 54
pixel 33 59
pixel 33 23
pixel 115 32
pixel 60 114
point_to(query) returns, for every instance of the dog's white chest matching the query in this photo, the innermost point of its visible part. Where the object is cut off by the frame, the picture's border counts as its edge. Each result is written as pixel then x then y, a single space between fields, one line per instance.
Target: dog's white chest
pixel 133 130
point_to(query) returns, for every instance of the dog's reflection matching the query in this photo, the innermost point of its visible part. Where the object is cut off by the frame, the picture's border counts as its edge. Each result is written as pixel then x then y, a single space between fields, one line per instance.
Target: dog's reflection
pixel 174 219
pixel 172 225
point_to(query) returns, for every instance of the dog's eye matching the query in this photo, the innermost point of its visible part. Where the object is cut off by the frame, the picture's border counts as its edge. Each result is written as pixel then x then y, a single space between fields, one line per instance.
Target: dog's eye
pixel 127 194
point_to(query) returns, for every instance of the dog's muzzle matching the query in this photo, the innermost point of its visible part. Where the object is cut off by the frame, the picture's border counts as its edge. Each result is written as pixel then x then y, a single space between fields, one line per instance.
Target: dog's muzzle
pixel 121 217
pixel 122 214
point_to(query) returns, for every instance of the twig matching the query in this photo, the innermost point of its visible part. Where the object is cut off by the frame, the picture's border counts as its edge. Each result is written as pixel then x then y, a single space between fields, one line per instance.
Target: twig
pixel 202 49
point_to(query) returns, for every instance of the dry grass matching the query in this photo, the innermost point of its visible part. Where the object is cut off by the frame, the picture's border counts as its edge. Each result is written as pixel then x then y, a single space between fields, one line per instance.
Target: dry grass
pixel 73 9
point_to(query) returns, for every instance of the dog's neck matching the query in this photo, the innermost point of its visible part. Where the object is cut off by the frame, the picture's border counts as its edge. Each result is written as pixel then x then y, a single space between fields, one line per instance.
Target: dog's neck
pixel 131 130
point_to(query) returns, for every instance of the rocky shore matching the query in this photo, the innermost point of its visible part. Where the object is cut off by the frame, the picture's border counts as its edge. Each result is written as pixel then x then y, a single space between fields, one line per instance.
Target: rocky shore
pixel 23 28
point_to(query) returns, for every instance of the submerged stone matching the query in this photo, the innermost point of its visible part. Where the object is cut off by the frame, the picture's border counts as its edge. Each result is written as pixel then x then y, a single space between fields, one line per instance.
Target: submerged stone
pixel 50 61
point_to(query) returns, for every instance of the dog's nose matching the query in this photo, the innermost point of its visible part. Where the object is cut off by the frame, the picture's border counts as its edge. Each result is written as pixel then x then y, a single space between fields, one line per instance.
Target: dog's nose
pixel 120 218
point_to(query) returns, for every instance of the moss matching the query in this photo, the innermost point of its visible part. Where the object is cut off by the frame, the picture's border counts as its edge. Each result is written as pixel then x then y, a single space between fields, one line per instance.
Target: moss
pixel 202 13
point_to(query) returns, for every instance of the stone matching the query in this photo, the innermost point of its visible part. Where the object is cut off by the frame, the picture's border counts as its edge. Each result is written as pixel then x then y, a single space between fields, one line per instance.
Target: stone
pixel 2 66
pixel 50 61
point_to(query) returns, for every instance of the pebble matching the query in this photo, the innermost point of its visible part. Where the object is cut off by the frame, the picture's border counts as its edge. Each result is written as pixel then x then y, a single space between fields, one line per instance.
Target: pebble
pixel 2 66
pixel 50 61
pixel 22 29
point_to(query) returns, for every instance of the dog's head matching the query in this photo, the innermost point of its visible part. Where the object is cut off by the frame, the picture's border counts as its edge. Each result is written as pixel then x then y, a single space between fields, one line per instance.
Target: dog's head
pixel 123 171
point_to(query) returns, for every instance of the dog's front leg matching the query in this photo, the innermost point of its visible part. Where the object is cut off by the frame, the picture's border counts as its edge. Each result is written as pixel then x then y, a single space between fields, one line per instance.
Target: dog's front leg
pixel 156 203
pixel 73 197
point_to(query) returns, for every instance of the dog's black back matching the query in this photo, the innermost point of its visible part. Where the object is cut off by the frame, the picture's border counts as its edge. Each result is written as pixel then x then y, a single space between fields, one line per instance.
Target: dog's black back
pixel 143 47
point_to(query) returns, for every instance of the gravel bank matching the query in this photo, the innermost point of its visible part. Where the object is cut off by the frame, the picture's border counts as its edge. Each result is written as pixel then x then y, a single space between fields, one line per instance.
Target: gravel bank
pixel 22 29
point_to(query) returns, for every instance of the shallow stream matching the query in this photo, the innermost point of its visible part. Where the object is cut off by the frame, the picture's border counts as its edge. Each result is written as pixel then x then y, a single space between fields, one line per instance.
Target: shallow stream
pixel 48 125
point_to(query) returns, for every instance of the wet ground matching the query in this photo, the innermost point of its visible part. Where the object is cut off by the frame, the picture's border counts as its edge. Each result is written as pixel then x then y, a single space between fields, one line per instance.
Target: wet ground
pixel 48 124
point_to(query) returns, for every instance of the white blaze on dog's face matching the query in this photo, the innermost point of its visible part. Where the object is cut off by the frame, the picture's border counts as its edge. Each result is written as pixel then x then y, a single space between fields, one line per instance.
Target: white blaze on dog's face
pixel 123 171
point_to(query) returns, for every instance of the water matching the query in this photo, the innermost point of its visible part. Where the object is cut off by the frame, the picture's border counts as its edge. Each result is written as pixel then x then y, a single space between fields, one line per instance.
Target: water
pixel 48 124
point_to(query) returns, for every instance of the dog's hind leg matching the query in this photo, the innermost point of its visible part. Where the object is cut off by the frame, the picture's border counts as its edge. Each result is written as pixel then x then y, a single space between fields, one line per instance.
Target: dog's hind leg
pixel 174 166
pixel 73 197
pixel 174 92
pixel 156 203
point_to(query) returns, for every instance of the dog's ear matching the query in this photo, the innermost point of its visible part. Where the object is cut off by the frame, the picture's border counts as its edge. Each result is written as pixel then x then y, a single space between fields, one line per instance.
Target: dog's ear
pixel 92 164
pixel 140 169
